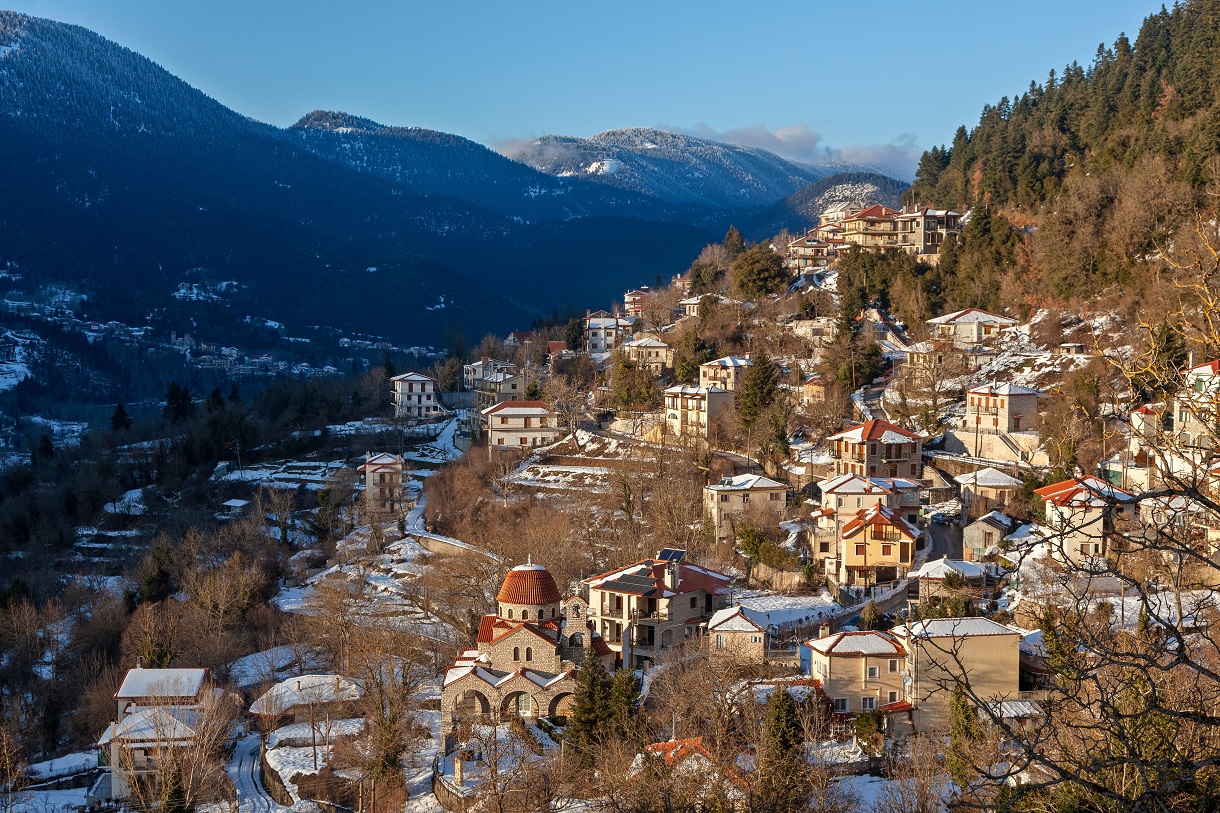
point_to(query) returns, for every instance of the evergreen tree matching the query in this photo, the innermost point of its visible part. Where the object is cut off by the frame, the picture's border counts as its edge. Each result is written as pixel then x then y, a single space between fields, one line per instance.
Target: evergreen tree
pixel 759 389
pixel 758 272
pixel 624 697
pixel 119 419
pixel 870 616
pixel 781 758
pixel 734 244
pixel 215 402
pixel 965 730
pixel 574 335
pixel 234 396
pixel 390 369
pixel 591 714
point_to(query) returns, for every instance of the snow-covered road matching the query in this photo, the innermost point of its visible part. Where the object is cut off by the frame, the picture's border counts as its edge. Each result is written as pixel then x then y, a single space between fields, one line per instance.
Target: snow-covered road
pixel 243 770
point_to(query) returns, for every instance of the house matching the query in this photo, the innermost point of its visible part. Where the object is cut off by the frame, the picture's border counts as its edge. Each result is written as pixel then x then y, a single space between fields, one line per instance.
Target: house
pixel 837 212
pixel 878 448
pixel 968 328
pixel 943 652
pixel 1080 515
pixel 307 698
pixel 859 671
pixel 922 232
pixel 733 497
pixel 605 331
pixel 878 546
pixel 383 475
pixel 695 773
pixel 986 490
pixel 525 659
pixel 521 425
pixel 1196 419
pixel 492 381
pixel 636 301
pixel 690 411
pixel 518 339
pixel 982 537
pixel 654 605
pixel 650 354
pixel 766 627
pixel 157 709
pixel 235 507
pixel 813 390
pixel 734 635
pixel 690 305
pixel 727 373
pixel 932 577
pixel 1002 409
pixel 415 396
pixel 873 228
pixel 813 250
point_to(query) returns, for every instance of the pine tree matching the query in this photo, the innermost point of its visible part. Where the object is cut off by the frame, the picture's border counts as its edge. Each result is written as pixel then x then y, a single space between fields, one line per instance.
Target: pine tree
pixel 624 697
pixel 734 244
pixel 965 730
pixel 759 389
pixel 119 419
pixel 590 716
pixel 781 757
pixel 759 271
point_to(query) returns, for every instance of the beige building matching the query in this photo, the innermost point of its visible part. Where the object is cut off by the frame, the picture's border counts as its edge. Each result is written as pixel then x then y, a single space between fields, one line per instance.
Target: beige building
pixel 923 231
pixel 1080 516
pixel 878 546
pixel 768 627
pixel 654 605
pixel 727 501
pixel 525 660
pixel 1001 409
pixel 653 355
pixel 859 671
pixel 638 300
pixel 383 476
pixel 874 228
pixel 968 328
pixel 727 373
pixel 878 448
pixel 415 396
pixel 520 425
pixel 944 652
pixel 492 381
pixel 983 536
pixel 986 490
pixel 690 411
pixel 734 636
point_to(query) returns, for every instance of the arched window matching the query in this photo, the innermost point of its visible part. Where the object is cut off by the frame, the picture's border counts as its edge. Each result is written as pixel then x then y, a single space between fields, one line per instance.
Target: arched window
pixel 577 639
pixel 516 653
pixel 525 614
pixel 529 653
pixel 510 613
pixel 552 612
pixel 576 611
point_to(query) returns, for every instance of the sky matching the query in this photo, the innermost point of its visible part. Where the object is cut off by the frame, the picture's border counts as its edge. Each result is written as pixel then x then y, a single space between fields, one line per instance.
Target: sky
pixel 875 83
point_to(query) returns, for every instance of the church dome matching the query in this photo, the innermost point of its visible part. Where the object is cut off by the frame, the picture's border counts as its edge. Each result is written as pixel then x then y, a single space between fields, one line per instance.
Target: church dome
pixel 529 584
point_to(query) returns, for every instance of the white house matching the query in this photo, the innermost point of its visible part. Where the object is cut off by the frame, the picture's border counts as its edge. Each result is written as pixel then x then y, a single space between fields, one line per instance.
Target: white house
pixel 415 396
pixel 520 425
pixel 605 331
pixel 689 411
pixel 734 496
pixel 970 327
pixel 728 372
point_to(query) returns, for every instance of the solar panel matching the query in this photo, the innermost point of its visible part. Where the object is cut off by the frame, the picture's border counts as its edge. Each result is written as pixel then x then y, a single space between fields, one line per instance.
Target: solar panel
pixel 671 554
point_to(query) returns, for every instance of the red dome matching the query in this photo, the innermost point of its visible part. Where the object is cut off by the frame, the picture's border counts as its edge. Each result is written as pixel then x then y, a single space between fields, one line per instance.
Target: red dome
pixel 529 584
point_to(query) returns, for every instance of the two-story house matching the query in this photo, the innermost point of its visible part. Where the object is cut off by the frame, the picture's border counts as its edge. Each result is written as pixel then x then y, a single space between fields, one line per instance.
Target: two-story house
pixel 415 396
pixel 968 328
pixel 983 536
pixel 520 425
pixel 383 476
pixel 605 331
pixel 923 231
pixel 878 448
pixel 859 671
pixel 733 497
pixel 878 546
pixel 764 627
pixel 997 409
pixel 727 373
pixel 638 300
pixel 1080 515
pixel 654 605
pixel 874 228
pixel 690 411
pixel 650 354
pixel 986 490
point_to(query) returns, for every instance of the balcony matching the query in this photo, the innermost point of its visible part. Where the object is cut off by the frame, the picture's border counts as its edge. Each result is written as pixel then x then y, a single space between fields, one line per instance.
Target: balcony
pixel 656 615
pixel 612 612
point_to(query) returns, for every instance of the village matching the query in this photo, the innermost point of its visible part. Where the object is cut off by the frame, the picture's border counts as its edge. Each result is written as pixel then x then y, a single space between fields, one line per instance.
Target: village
pixel 730 534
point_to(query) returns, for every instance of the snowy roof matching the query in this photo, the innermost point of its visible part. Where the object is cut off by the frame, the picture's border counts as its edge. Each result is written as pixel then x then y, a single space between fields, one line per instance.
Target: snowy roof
pixel 413 377
pixel 857 643
pixel 940 568
pixel 1014 709
pixel 304 691
pixel 971 315
pixel 769 609
pixel 745 482
pixel 732 619
pixel 879 515
pixel 235 503
pixel 1030 533
pixel 1001 522
pixel 646 343
pixel 854 484
pixel 987 478
pixel 518 408
pixel 686 389
pixel 729 361
pixel 1087 490
pixel 140 683
pixel 647 578
pixel 877 430
pixel 158 724
pixel 994 389
pixel 953 628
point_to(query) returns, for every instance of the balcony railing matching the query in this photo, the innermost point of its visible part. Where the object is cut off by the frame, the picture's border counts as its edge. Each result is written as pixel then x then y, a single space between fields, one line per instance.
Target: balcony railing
pixel 656 615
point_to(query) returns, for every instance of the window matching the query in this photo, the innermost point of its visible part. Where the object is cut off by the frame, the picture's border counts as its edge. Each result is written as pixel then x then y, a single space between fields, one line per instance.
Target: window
pixel 840 705
pixel 529 653
pixel 868 703
pixel 525 441
pixel 861 550
pixel 724 497
pixel 776 496
pixel 823 547
pixel 893 665
pixel 719 641
pixel 694 602
pixel 525 614
pixel 503 420
pixel 754 639
pixel 745 498
pixel 874 672
pixel 516 653
pixel 821 668
pixel 887 550
pixel 893 698
pixel 859 502
pixel 840 502
pixel 499 441
pixel 510 613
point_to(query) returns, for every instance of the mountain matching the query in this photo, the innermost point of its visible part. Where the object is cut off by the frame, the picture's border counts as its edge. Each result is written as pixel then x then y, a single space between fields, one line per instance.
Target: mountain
pixel 801 208
pixel 669 166
pixel 131 182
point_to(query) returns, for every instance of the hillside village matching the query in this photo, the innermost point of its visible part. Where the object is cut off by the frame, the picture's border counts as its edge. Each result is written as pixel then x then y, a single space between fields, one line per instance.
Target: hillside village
pixel 641 541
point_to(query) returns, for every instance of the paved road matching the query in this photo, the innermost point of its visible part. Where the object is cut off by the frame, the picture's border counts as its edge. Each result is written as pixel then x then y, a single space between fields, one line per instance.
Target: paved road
pixel 243 770
pixel 946 541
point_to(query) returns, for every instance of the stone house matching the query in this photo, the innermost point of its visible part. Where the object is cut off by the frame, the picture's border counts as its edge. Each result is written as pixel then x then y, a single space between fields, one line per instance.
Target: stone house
pixel 767 627
pixel 725 502
pixel 734 636
pixel 650 354
pixel 986 490
pixel 983 536
pixel 859 671
pixel 932 577
pixel 727 373
pixel 415 396
pixel 878 448
pixel 1080 516
pixel 690 411
pixel 520 425
pixel 384 477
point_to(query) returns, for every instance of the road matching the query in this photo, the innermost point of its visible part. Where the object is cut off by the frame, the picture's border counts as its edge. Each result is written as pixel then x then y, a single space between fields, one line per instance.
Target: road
pixel 243 770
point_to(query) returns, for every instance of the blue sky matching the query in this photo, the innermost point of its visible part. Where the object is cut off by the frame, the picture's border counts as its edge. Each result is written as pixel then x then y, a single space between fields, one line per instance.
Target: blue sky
pixel 874 82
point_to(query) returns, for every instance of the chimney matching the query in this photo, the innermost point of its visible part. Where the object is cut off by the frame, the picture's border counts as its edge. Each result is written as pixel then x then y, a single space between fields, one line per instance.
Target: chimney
pixel 671 575
pixel 298 684
pixel 1190 359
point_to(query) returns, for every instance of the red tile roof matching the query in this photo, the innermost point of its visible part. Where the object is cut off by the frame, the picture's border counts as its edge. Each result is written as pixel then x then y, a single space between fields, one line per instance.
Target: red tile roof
pixel 875 430
pixel 675 751
pixel 878 211
pixel 529 584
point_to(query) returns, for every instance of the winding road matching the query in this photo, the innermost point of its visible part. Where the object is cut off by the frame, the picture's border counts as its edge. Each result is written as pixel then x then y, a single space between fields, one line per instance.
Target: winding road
pixel 243 770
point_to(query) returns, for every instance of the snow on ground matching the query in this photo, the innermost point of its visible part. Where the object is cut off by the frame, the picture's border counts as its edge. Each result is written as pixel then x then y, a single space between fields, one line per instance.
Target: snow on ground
pixel 299 735
pixel 780 610
pixel 314 475
pixel 130 504
pixel 67 800
pixel 63 433
pixel 67 765
pixel 290 761
pixel 541 475
pixel 275 663
pixel 418 770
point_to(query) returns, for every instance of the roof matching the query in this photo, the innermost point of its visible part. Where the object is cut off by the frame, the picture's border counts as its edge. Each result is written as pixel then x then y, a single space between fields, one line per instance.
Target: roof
pixel 380 459
pixel 1081 491
pixel 518 408
pixel 742 482
pixel 160 724
pixel 941 568
pixel 877 430
pixel 728 361
pixel 874 212
pixel 413 377
pixel 235 503
pixel 306 690
pixel 1014 709
pixel 646 342
pixel 879 515
pixel 969 315
pixel 994 389
pixel 854 484
pixel 647 578
pixel 1208 368
pixel 529 584
pixel 1001 522
pixel 675 751
pixel 732 619
pixel 857 643
pixel 953 628
pixel 140 683
pixel 686 389
pixel 987 478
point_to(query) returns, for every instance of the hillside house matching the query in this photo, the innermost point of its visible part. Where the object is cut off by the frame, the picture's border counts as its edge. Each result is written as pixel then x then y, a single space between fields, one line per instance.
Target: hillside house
pixel 986 490
pixel 1002 409
pixel 878 448
pixel 727 373
pixel 874 228
pixel 605 331
pixel 636 301
pixel 923 231
pixel 878 546
pixel 859 671
pixel 836 213
pixel 764 627
pixel 946 651
pixel 813 250
pixel 306 699
pixel 518 339
pixel 1080 515
pixel 650 354
pixel 813 390
pixel 968 328
pixel 383 475
pixel 415 396
pixel 982 537
pixel 733 497
pixel 492 381
pixel 937 578
pixel 690 411
pixel 654 605
pixel 521 425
